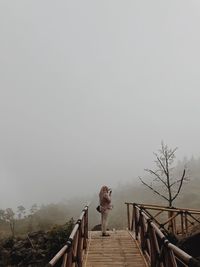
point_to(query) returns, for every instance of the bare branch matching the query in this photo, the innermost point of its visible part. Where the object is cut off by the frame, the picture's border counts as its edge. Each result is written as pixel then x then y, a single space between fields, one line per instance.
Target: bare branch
pixel 158 176
pixel 163 167
pixel 181 183
pixel 155 191
pixel 172 152
pixel 178 181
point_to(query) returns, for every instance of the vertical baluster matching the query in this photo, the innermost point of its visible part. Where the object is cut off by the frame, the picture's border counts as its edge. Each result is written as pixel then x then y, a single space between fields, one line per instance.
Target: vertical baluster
pixel 75 248
pixel 142 232
pixel 133 217
pixel 171 261
pixel 80 244
pixel 64 263
pixel 186 223
pixel 85 232
pixel 153 248
pixel 148 241
pixel 69 258
pixel 128 216
pixel 182 223
pixel 136 223
pixel 174 223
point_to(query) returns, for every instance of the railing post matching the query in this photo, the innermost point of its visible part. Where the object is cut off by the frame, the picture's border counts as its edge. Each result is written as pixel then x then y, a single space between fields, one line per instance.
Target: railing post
pixel 152 246
pixel 133 217
pixel 142 232
pixel 174 220
pixel 169 258
pixel 128 215
pixel 64 263
pixel 182 223
pixel 85 232
pixel 80 243
pixel 186 223
pixel 170 225
pixel 136 223
pixel 69 255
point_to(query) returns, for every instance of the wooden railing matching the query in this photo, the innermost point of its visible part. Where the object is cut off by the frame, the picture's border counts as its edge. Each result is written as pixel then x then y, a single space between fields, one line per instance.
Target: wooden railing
pixel 178 221
pixel 152 236
pixel 72 253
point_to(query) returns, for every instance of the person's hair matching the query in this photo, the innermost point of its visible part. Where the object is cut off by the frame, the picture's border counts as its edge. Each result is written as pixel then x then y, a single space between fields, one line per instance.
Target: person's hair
pixel 104 190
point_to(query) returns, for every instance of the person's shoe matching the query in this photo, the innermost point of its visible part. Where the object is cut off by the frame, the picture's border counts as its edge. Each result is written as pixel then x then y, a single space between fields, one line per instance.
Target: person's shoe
pixel 105 234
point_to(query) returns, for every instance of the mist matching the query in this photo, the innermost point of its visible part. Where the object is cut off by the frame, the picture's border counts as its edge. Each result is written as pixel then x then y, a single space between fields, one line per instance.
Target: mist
pixel 89 89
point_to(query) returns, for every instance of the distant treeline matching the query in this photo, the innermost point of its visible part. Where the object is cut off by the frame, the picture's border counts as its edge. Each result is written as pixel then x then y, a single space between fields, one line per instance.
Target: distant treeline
pixel 43 218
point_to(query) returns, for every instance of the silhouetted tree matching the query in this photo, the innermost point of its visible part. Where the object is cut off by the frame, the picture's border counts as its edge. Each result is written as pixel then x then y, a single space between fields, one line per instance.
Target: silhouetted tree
pixel 33 208
pixel 163 175
pixel 2 215
pixel 21 211
pixel 9 217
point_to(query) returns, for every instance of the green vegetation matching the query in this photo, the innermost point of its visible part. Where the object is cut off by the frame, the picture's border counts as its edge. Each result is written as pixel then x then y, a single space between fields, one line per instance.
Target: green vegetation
pixel 36 248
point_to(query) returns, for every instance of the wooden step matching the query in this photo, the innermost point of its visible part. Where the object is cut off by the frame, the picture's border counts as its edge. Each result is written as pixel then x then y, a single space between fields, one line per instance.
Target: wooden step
pixel 118 249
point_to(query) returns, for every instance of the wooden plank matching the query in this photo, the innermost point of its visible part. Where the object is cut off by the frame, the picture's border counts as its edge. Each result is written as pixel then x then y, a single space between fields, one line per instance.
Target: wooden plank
pixel 119 249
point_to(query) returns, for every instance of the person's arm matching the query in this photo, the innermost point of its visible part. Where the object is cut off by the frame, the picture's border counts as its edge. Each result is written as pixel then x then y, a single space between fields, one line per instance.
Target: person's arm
pixel 107 197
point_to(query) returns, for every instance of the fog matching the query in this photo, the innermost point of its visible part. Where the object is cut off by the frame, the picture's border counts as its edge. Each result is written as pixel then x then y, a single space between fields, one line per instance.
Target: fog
pixel 89 89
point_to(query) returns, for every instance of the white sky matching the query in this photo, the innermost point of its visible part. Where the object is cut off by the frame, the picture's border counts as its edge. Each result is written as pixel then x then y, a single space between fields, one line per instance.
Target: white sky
pixel 88 89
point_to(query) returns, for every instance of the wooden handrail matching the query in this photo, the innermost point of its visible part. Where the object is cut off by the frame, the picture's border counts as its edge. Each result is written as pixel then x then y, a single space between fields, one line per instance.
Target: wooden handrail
pixel 75 245
pixel 156 247
pixel 158 207
pixel 176 220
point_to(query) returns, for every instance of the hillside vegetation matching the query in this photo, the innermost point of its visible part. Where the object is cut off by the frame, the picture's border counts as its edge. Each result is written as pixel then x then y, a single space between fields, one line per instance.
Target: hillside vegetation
pixel 56 220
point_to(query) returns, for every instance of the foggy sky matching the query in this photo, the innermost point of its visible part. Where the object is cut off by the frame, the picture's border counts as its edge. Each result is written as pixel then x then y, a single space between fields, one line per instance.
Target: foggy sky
pixel 89 89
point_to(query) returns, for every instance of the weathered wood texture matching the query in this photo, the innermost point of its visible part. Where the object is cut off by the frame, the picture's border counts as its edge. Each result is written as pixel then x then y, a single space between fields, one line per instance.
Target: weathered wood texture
pixel 119 249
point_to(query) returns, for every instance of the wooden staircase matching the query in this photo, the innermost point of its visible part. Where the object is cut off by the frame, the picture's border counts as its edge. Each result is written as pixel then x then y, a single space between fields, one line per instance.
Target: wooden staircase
pixel 119 249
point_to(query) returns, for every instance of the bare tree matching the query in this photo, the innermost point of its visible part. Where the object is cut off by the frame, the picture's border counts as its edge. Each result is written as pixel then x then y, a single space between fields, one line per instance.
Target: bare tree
pixel 163 176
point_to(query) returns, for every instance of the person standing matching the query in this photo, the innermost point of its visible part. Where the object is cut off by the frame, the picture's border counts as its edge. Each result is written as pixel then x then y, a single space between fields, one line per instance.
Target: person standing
pixel 105 207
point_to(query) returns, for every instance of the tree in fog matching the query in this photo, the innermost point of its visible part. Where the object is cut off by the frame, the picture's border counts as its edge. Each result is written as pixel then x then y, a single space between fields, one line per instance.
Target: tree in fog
pixel 21 211
pixel 2 215
pixel 164 182
pixel 9 217
pixel 33 208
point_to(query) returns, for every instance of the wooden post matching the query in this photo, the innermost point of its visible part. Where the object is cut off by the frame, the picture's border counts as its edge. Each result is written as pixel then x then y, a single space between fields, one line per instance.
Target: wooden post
pixel 136 223
pixel 153 247
pixel 80 244
pixel 142 232
pixel 64 263
pixel 128 216
pixel 171 227
pixel 182 224
pixel 85 231
pixel 133 217
pixel 171 261
pixel 69 258
pixel 186 223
